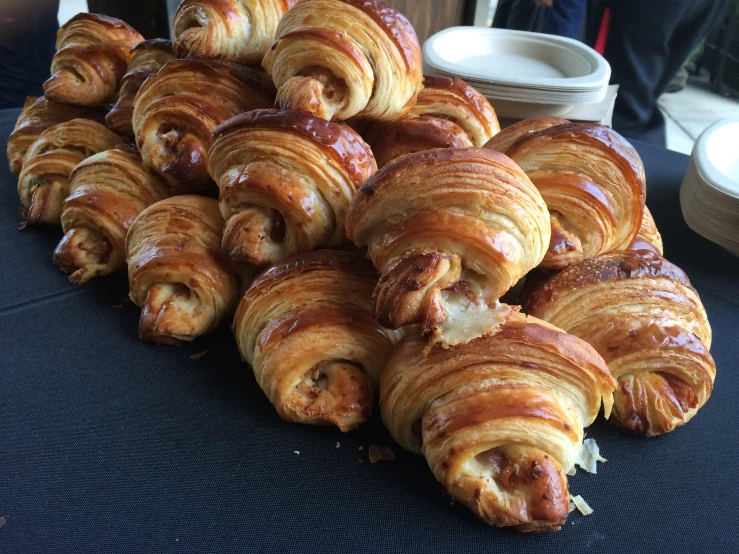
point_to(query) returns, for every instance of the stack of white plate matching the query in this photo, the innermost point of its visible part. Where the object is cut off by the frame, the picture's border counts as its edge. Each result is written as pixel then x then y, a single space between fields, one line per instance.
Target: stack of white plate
pixel 709 195
pixel 549 72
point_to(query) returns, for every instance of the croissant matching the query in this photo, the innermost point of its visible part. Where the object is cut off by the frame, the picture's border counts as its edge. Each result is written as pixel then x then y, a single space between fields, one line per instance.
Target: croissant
pixel 92 54
pixel 593 183
pixel 238 31
pixel 641 314
pixel 503 140
pixel 305 327
pixel 455 100
pixel 176 272
pixel 499 419
pixel 176 110
pixel 286 180
pixel 39 114
pixel 106 193
pixel 43 182
pixel 648 237
pixel 343 58
pixel 147 57
pixel 451 231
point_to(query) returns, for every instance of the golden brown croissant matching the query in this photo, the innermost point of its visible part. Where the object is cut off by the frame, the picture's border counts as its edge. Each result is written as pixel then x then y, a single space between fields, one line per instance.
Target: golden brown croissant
pixel 648 237
pixel 503 140
pixel 42 184
pixel 106 193
pixel 305 327
pixel 499 419
pixel 38 115
pixel 343 58
pixel 455 100
pixel 176 272
pixel 92 54
pixel 147 57
pixel 593 183
pixel 238 31
pixel 451 231
pixel 286 180
pixel 177 109
pixel 641 314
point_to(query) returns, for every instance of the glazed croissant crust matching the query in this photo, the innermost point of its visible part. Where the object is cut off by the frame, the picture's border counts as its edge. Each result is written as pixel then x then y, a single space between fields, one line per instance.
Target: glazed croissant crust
pixel 92 55
pixel 648 237
pixel 147 57
pixel 641 314
pixel 237 31
pixel 176 272
pixel 106 193
pixel 503 140
pixel 339 59
pixel 305 327
pixel 176 110
pixel 286 180
pixel 39 114
pixel 43 182
pixel 499 419
pixel 450 231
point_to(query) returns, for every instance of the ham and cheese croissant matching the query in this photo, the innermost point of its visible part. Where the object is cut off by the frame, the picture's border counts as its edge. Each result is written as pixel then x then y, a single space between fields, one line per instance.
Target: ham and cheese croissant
pixel 286 180
pixel 305 327
pixel 641 314
pixel 106 193
pixel 648 237
pixel 92 55
pixel 147 57
pixel 503 140
pixel 43 182
pixel 451 231
pixel 39 114
pixel 176 272
pixel 343 58
pixel 455 100
pixel 176 110
pixel 499 419
pixel 238 31
pixel 593 183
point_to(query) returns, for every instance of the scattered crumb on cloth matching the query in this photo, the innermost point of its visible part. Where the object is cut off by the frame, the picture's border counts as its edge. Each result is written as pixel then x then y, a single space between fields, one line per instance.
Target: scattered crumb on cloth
pixel 579 503
pixel 117 306
pixel 296 452
pixel 3 521
pixel 588 458
pixel 379 453
pixel 199 355
pixel 338 444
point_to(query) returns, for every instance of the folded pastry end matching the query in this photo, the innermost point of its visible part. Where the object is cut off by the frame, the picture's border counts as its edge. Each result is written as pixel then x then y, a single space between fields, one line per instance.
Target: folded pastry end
pixel 84 253
pixel 166 316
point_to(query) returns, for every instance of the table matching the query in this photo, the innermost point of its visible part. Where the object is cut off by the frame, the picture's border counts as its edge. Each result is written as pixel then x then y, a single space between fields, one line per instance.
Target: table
pixel 108 444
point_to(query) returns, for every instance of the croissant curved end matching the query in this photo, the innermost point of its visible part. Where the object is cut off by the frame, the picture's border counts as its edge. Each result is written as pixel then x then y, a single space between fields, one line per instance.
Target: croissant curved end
pixel 85 253
pixel 47 196
pixel 255 236
pixel 163 319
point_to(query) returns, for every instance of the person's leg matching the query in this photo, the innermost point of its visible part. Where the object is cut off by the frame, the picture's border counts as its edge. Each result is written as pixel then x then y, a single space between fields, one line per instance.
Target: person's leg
pixel 565 18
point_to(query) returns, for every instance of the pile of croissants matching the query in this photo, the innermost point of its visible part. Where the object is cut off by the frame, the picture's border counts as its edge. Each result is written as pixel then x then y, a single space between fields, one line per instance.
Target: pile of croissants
pixel 368 230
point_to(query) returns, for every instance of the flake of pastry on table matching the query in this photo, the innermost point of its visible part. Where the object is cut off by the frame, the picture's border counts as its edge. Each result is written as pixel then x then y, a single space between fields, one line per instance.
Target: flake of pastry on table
pixel 339 59
pixel 305 327
pixel 49 161
pixel 286 179
pixel 499 419
pixel 239 31
pixel 93 52
pixel 147 57
pixel 176 272
pixel 176 111
pixel 39 114
pixel 450 230
pixel 640 313
pixel 106 193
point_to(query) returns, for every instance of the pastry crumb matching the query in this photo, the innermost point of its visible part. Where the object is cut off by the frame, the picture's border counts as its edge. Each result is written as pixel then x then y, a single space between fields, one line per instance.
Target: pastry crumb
pixel 579 503
pixel 296 452
pixel 117 306
pixel 360 448
pixel 199 355
pixel 379 453
pixel 338 444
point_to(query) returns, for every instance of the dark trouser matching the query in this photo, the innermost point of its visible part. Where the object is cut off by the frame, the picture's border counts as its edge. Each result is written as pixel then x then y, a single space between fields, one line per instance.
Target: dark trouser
pixel 564 18
pixel 648 41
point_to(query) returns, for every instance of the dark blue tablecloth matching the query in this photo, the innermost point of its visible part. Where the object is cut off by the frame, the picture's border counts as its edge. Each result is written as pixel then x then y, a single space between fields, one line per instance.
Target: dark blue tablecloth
pixel 108 444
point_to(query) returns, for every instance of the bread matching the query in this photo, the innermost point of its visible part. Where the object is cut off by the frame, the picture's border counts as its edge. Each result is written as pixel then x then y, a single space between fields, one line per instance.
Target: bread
pixel 43 182
pixel 39 114
pixel 147 57
pixel 176 272
pixel 450 231
pixel 455 100
pixel 648 237
pixel 593 183
pixel 286 180
pixel 503 140
pixel 106 193
pixel 238 31
pixel 92 55
pixel 305 327
pixel 339 59
pixel 176 110
pixel 499 419
pixel 641 314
